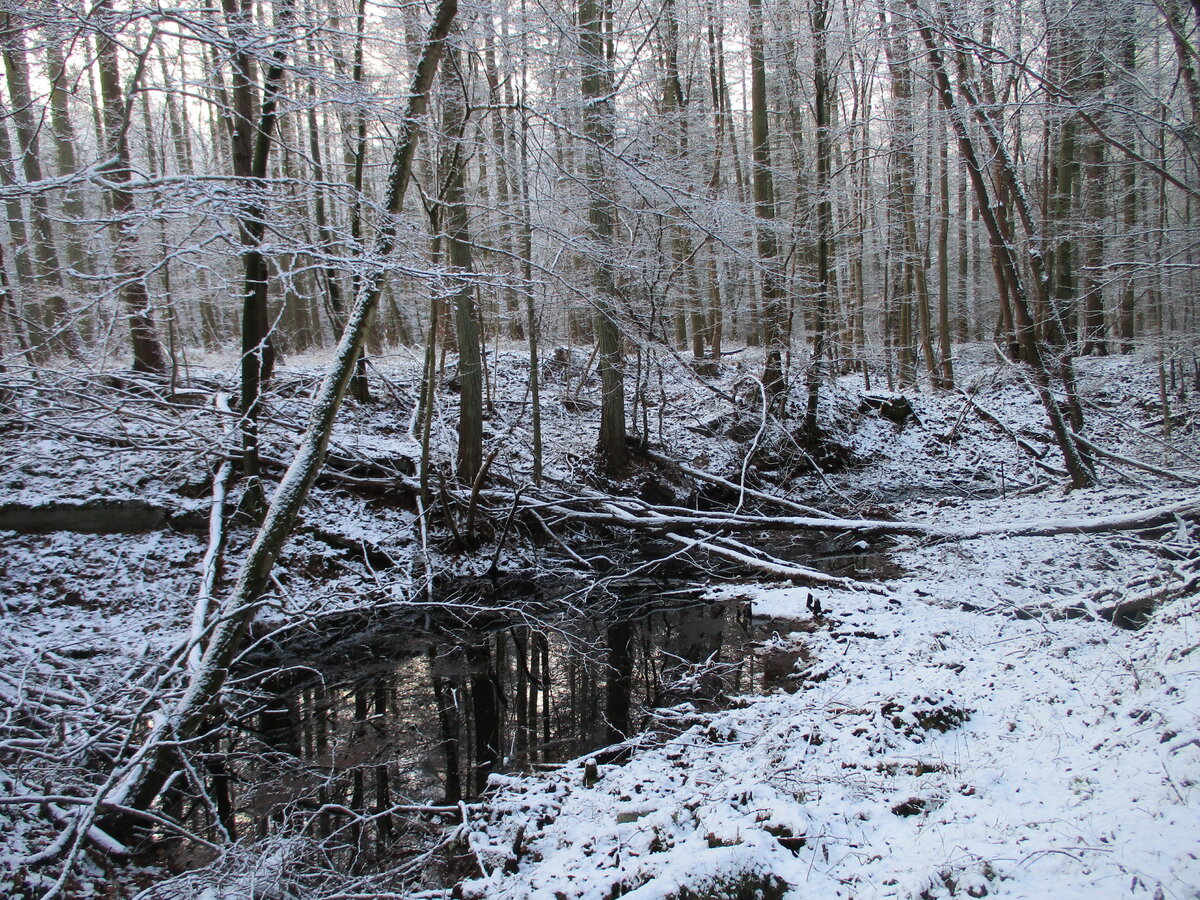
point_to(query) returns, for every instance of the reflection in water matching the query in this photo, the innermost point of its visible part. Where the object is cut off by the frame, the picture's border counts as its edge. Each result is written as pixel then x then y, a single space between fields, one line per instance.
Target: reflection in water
pixel 353 738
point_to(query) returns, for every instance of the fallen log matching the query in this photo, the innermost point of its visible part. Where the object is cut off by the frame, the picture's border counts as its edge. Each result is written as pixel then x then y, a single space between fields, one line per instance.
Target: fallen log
pixel 87 517
pixel 1143 520
pixel 624 512
pixel 1129 612
pixel 1136 463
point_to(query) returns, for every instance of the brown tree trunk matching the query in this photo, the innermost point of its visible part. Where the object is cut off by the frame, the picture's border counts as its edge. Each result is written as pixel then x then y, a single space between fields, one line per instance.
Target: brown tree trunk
pixel 251 150
pixel 774 321
pixel 602 212
pixel 458 252
pixel 823 97
pixel 148 355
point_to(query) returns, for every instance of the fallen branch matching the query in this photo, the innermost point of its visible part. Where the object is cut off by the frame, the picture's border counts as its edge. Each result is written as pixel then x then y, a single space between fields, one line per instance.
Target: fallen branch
pixel 210 566
pixel 1125 610
pixel 1024 445
pixel 1155 517
pixel 708 477
pixel 1137 464
pixel 751 558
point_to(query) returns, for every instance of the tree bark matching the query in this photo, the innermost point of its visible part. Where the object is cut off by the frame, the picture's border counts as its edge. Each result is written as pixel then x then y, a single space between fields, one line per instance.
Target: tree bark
pixel 823 91
pixel 148 355
pixel 458 253
pixel 251 150
pixel 774 296
pixel 602 212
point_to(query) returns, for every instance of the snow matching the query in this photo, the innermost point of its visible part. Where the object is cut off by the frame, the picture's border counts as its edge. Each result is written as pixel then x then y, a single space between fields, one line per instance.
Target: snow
pixel 951 731
pixel 1066 769
pixel 1069 760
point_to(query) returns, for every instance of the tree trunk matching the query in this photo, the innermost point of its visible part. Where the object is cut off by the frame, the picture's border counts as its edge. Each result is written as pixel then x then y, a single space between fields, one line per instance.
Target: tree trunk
pixel 602 212
pixel 1095 211
pixel 823 92
pixel 145 779
pixel 526 254
pixel 774 298
pixel 73 207
pixel 458 252
pixel 945 336
pixel 148 355
pixel 251 151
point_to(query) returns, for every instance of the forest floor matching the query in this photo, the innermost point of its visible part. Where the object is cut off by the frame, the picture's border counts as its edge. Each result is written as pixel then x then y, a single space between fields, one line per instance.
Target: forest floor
pixel 967 723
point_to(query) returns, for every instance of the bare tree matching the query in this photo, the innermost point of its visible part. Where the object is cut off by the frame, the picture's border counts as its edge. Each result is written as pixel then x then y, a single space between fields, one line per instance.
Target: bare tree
pixel 148 354
pixel 597 86
pixel 774 296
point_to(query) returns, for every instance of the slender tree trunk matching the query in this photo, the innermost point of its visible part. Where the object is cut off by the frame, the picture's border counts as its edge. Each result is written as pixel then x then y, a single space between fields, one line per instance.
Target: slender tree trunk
pixel 526 252
pixel 1095 211
pixel 823 91
pixel 1127 60
pixel 145 779
pixel 251 150
pixel 181 141
pixel 945 336
pixel 148 355
pixel 74 210
pixel 602 212
pixel 356 159
pixel 458 252
pixel 774 297
pixel 504 188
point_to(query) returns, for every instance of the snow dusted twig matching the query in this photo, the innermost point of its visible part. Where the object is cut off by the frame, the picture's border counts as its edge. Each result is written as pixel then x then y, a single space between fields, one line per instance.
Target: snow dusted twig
pixel 762 426
pixel 211 564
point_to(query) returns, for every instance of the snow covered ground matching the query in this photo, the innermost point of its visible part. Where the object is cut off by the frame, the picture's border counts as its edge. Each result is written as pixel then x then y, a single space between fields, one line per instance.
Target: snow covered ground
pixel 951 732
pixel 927 752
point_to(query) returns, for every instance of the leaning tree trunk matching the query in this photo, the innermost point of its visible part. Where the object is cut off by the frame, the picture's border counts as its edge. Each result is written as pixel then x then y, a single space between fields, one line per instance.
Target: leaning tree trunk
pixel 1006 263
pixel 146 779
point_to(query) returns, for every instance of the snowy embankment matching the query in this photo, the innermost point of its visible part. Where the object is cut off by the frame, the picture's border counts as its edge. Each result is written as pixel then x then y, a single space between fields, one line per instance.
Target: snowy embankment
pixel 929 751
pixel 951 733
